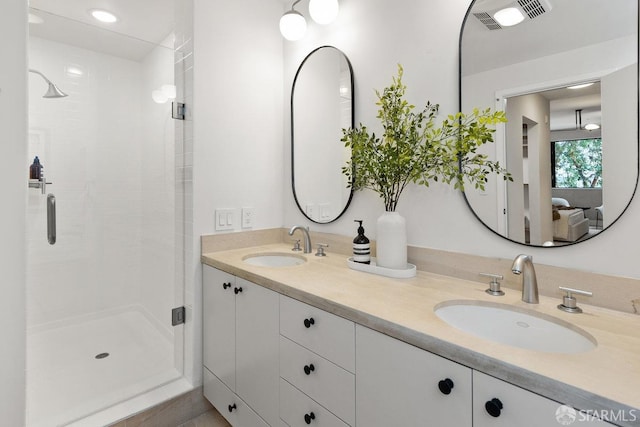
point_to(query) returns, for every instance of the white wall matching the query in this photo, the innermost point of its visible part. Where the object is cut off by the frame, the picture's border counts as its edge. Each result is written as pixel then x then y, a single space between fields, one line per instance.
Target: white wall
pixel 619 138
pixel 238 132
pixel 13 151
pixel 534 202
pixel 423 36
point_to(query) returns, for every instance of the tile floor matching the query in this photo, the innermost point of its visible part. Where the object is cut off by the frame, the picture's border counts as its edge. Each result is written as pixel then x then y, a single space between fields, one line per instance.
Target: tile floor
pixel 211 418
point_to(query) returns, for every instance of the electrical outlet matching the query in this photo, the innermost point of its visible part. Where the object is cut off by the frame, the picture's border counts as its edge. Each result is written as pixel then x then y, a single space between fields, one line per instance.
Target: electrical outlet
pixel 225 219
pixel 247 217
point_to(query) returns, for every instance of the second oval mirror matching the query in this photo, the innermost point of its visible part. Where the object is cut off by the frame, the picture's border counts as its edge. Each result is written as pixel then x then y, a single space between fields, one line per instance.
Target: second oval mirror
pixel 566 76
pixel 321 106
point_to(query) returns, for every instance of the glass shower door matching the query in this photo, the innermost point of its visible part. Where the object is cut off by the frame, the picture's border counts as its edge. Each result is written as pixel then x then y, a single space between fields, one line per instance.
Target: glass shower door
pixel 99 300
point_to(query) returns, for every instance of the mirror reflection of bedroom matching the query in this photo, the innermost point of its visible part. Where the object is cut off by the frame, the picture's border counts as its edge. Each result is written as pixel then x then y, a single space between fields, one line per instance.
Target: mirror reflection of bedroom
pixel 555 141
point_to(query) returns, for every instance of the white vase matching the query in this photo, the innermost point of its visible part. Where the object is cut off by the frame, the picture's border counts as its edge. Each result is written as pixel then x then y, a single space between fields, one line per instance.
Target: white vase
pixel 391 241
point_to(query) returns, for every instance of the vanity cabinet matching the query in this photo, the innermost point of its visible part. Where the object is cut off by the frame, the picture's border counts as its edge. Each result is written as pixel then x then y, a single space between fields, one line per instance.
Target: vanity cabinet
pixel 317 366
pixel 240 349
pixel 270 360
pixel 500 404
pixel 401 385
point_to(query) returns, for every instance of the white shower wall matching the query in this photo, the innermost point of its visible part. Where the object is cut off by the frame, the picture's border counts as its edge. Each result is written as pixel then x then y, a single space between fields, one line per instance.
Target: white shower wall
pixel 108 150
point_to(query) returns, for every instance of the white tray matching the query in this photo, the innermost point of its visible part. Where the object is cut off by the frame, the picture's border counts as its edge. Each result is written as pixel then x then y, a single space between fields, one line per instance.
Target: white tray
pixel 372 268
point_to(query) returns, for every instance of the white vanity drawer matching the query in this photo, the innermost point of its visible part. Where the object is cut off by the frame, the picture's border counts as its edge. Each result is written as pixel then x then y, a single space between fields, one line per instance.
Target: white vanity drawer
pixel 324 333
pixel 232 408
pixel 323 381
pixel 296 408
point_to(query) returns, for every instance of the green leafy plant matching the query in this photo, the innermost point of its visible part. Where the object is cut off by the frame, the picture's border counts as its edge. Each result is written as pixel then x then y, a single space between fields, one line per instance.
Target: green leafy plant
pixel 414 150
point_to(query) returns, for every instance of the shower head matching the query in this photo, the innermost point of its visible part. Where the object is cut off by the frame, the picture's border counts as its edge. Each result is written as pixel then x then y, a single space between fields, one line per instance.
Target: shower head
pixel 53 91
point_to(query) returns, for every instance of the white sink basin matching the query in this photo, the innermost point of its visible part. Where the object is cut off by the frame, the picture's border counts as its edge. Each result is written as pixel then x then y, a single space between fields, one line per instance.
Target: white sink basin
pixel 516 327
pixel 274 259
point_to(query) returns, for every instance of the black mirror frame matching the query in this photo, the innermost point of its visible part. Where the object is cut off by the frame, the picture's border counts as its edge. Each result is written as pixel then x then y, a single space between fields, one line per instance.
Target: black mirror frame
pixel 293 88
pixel 464 21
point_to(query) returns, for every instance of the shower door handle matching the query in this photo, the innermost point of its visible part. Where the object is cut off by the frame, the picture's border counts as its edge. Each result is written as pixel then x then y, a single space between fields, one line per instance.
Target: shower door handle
pixel 51 219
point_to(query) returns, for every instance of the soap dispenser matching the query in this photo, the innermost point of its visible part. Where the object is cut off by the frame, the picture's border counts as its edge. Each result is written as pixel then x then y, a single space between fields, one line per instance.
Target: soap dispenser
pixel 361 246
pixel 35 170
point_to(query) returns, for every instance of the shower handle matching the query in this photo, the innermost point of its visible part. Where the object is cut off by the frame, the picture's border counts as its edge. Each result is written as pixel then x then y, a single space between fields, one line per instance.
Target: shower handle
pixel 51 219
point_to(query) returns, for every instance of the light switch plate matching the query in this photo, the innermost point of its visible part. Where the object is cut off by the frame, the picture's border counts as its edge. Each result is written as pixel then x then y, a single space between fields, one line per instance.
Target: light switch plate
pixel 225 219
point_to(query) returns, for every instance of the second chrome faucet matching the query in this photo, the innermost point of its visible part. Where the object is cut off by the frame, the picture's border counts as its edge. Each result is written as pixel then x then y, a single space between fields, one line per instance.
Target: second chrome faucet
pixel 523 264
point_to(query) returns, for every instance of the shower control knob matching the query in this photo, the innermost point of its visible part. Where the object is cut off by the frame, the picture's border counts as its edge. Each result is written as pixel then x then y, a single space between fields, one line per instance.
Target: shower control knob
pixel 309 368
pixel 308 417
pixel 226 285
pixel 308 322
pixel 232 407
pixel 445 385
pixel 493 407
pixel 237 290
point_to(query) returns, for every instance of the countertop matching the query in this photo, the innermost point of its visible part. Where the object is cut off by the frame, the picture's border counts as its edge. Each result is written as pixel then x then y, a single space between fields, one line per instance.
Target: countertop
pixel 605 378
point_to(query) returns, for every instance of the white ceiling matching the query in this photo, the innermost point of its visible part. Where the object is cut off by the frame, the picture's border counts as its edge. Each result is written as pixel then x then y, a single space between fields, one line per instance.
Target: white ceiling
pixel 569 25
pixel 142 25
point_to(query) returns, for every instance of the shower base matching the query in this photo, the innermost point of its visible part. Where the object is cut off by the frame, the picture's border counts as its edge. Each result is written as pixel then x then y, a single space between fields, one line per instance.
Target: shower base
pixel 79 368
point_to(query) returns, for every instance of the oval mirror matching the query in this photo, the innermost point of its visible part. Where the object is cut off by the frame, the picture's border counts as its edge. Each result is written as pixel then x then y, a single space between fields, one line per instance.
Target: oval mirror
pixel 566 76
pixel 321 106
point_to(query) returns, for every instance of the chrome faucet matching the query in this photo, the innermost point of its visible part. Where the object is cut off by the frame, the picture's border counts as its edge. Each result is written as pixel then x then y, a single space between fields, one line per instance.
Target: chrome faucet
pixel 307 238
pixel 523 264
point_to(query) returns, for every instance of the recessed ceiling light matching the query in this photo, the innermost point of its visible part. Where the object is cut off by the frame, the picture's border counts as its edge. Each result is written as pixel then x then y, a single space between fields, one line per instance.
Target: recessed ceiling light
pixel 103 16
pixel 591 126
pixel 35 19
pixel 580 86
pixel 509 16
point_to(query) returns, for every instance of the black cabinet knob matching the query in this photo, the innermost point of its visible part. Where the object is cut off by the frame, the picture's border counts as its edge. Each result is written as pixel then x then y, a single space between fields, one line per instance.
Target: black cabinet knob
pixel 232 407
pixel 308 322
pixel 308 417
pixel 309 368
pixel 445 386
pixel 226 285
pixel 237 290
pixel 493 407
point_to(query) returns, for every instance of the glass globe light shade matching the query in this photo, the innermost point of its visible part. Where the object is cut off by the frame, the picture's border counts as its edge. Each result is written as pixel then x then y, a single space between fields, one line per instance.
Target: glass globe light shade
pixel 293 25
pixel 323 11
pixel 159 97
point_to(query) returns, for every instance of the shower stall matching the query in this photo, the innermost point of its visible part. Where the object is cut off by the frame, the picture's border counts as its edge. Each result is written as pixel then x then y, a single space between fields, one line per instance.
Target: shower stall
pixel 100 297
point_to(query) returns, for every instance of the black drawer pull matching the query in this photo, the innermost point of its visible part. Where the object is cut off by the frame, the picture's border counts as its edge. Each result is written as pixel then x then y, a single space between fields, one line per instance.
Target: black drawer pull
pixel 309 368
pixel 308 417
pixel 232 407
pixel 226 285
pixel 308 322
pixel 445 386
pixel 237 290
pixel 493 407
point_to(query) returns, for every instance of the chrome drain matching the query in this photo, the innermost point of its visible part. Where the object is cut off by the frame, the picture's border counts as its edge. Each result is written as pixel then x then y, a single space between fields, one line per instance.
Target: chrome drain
pixel 102 355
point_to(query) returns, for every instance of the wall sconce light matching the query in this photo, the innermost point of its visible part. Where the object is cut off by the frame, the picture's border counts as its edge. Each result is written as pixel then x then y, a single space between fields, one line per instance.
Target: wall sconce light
pixel 164 93
pixel 324 11
pixel 293 25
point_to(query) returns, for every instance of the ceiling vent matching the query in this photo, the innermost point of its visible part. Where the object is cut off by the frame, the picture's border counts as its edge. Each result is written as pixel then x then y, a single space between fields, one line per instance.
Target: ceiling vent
pixel 534 8
pixel 487 20
pixel 531 9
